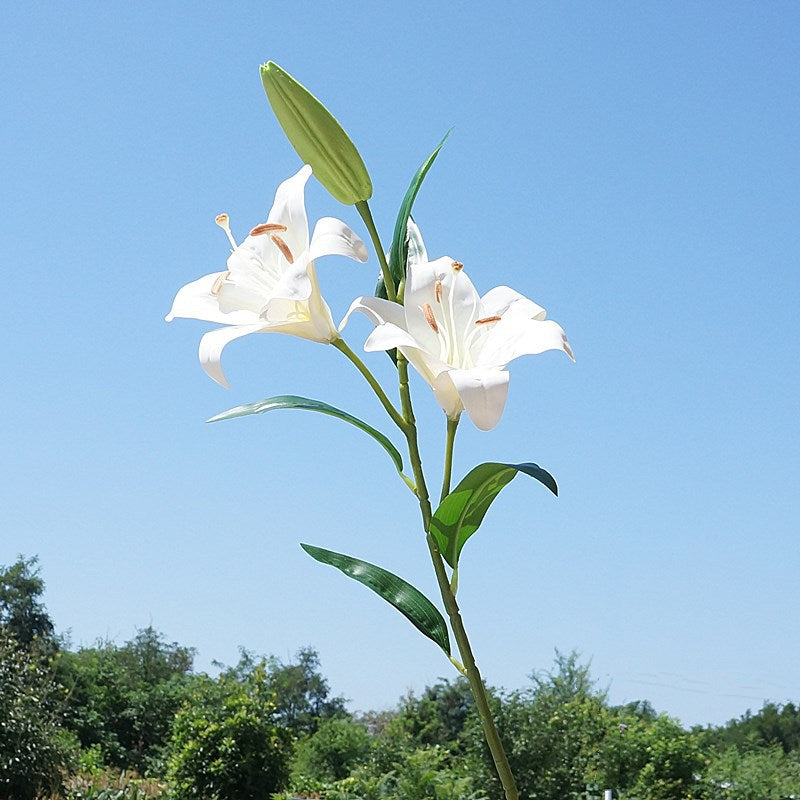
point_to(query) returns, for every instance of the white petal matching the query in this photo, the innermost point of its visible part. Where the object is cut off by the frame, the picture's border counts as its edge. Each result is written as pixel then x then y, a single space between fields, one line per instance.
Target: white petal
pixel 417 254
pixel 455 307
pixel 420 292
pixel 212 345
pixel 514 336
pixel 446 395
pixel 387 337
pixel 320 312
pixel 483 393
pixel 377 310
pixel 308 319
pixel 289 209
pixel 333 238
pixel 294 282
pixel 196 301
pixel 502 300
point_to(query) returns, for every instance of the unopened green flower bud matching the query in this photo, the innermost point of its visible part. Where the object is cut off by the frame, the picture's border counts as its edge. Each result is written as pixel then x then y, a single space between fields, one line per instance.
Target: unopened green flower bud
pixel 317 137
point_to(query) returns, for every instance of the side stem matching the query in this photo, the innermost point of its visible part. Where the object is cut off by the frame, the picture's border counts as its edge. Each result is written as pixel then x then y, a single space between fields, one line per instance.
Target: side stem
pixel 398 420
pixel 363 209
pixel 452 427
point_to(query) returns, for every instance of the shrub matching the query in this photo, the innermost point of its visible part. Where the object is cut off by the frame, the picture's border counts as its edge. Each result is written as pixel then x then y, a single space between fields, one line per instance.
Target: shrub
pixel 225 744
pixel 332 752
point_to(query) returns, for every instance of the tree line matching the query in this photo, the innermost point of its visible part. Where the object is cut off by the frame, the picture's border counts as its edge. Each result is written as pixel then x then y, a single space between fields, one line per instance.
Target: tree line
pixel 134 720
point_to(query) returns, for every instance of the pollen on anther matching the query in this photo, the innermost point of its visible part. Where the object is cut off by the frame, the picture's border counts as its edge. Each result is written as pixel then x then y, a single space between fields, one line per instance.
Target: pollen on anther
pixel 267 227
pixel 429 318
pixel 283 247
pixel 438 290
pixel 218 283
pixel 457 265
pixel 487 319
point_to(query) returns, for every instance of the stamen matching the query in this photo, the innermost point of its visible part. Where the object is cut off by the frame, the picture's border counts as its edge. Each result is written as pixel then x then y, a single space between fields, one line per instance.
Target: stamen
pixel 218 283
pixel 430 319
pixel 283 247
pixel 267 227
pixel 457 266
pixel 438 290
pixel 223 220
pixel 487 319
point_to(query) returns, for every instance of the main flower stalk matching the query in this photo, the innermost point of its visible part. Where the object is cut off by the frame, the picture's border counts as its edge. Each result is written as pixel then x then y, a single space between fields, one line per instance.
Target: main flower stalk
pixel 448 597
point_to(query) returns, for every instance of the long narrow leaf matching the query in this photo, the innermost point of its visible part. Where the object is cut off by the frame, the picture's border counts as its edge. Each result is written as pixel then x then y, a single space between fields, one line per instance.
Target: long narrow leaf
pixel 399 248
pixel 306 404
pixel 462 511
pixel 410 602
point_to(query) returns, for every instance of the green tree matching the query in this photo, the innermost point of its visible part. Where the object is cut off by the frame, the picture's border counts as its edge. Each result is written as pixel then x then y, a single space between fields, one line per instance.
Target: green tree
pixel 765 774
pixel 123 698
pixel 550 732
pixel 22 614
pixel 645 756
pixel 225 743
pixel 439 716
pixel 332 752
pixel 774 724
pixel 302 694
pixel 34 749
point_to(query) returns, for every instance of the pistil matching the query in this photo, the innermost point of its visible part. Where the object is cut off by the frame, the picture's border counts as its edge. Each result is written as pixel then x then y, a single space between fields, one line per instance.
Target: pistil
pixel 223 220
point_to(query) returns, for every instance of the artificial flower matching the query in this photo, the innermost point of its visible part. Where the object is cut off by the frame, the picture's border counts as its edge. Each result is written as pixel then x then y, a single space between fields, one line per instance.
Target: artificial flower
pixel 459 342
pixel 270 285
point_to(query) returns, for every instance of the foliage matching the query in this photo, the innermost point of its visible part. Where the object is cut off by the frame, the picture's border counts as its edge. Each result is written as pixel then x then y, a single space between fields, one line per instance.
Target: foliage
pixel 34 749
pixel 774 724
pixel 645 756
pixel 225 742
pixel 22 614
pixel 550 732
pixel 113 785
pixel 767 774
pixel 439 716
pixel 139 708
pixel 123 698
pixel 332 752
pixel 300 692
pixel 425 773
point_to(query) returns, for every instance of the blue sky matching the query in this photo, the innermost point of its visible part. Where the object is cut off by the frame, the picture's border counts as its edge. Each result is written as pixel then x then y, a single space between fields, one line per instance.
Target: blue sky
pixel 632 167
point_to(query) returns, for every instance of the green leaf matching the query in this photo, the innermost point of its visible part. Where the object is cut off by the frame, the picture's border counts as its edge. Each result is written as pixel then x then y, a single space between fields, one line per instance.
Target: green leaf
pixel 306 404
pixel 399 249
pixel 410 602
pixel 317 136
pixel 462 511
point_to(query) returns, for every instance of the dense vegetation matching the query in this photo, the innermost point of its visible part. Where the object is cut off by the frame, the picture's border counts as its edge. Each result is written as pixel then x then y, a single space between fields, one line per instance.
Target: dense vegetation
pixel 134 721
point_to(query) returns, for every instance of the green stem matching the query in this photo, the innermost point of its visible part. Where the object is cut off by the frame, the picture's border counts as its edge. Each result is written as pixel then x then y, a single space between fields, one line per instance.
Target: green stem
pixel 448 597
pixel 452 427
pixel 409 428
pixel 410 431
pixel 363 209
pixel 342 346
pixel 473 675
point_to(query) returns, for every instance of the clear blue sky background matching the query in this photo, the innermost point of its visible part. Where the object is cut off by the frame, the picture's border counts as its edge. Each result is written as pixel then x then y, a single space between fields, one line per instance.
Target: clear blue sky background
pixel 632 167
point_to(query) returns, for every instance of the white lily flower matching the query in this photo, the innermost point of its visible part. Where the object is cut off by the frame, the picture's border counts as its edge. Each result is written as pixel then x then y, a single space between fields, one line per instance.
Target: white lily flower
pixel 459 342
pixel 270 285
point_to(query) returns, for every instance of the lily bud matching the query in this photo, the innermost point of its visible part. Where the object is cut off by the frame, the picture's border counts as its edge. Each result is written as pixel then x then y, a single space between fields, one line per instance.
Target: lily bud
pixel 317 137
